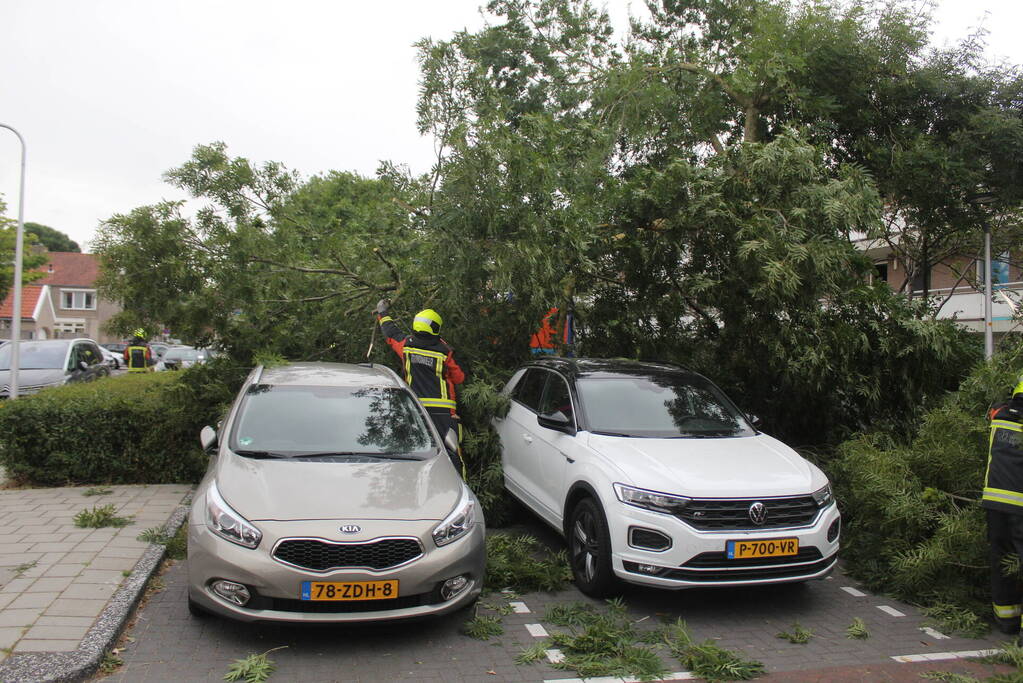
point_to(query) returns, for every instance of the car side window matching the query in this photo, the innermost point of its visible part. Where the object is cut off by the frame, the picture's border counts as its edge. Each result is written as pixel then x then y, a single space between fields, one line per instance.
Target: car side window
pixel 529 390
pixel 557 398
pixel 76 355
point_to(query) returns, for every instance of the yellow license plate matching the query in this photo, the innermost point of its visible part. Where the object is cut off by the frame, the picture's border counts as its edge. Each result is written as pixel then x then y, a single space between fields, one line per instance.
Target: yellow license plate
pixel 768 547
pixel 349 590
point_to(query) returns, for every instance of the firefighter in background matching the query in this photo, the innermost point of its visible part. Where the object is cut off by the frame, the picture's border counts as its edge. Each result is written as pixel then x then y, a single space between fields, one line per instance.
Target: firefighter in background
pixel 429 367
pixel 1003 500
pixel 543 340
pixel 138 357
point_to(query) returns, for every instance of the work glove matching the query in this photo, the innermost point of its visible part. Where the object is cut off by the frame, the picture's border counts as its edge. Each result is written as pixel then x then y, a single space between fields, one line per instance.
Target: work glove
pixel 382 307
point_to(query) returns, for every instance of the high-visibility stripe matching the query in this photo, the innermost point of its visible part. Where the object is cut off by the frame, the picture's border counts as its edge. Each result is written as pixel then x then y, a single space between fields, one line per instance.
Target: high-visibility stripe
pixel 1007 611
pixel 1006 424
pixel 437 402
pixel 424 352
pixel 1003 496
pixel 385 319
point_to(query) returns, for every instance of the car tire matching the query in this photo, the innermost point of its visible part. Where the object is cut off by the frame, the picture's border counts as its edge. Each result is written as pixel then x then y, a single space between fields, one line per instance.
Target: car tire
pixel 589 550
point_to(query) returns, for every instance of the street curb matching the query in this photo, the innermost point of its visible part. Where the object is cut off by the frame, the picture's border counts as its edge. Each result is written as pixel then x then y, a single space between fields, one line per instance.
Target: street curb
pixel 68 667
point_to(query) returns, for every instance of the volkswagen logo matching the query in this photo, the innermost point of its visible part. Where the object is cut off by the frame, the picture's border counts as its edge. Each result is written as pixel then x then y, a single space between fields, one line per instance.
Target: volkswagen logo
pixel 355 528
pixel 758 513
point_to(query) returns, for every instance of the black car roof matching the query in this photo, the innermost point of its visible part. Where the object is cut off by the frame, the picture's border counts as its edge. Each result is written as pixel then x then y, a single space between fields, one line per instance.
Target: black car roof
pixel 610 367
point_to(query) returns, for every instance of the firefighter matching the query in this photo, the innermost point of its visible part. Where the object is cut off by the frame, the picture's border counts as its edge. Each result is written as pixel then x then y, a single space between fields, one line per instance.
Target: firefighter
pixel 138 357
pixel 429 367
pixel 1003 499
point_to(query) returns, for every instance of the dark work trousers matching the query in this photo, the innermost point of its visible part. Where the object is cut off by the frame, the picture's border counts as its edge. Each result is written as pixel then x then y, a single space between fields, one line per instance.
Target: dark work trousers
pixel 1005 536
pixel 444 420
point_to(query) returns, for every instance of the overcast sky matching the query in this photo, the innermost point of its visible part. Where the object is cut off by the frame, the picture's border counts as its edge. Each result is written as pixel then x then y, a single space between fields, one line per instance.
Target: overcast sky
pixel 109 94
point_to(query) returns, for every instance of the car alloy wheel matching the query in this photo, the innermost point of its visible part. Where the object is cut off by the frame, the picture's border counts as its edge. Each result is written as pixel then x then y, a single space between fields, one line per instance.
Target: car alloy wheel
pixel 590 550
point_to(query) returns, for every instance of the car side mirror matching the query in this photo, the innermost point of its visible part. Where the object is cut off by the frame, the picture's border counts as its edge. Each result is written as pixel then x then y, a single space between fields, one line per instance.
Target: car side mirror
pixel 451 441
pixel 208 437
pixel 557 421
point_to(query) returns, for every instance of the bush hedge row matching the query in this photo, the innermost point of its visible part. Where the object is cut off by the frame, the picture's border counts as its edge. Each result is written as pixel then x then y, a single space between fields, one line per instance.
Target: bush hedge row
pixel 129 429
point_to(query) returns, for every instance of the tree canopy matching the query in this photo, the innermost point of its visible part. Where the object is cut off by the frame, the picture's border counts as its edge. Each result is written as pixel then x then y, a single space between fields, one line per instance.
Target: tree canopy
pixel 689 194
pixel 51 238
pixel 8 244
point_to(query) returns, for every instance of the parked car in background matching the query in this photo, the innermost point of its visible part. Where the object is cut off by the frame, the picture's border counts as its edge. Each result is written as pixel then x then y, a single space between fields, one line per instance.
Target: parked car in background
pixel 47 363
pixel 180 357
pixel 654 477
pixel 330 497
pixel 158 349
pixel 115 347
pixel 110 358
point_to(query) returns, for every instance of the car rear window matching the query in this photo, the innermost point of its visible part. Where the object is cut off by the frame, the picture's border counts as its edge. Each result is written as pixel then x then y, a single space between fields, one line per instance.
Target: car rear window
pixel 670 406
pixel 296 420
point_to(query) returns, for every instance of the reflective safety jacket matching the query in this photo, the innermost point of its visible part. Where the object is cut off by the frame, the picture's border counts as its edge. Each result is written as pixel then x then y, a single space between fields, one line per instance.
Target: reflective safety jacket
pixel 1003 483
pixel 137 358
pixel 428 364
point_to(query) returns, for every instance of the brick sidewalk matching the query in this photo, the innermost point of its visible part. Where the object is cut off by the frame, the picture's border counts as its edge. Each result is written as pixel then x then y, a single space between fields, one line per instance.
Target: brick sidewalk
pixel 55 578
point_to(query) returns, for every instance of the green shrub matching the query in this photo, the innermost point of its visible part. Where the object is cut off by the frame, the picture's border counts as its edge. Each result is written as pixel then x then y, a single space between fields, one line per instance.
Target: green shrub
pixel 912 524
pixel 130 429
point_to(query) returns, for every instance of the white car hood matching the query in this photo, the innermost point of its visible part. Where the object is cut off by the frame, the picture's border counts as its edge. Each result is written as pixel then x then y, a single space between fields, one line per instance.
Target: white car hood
pixel 299 490
pixel 733 467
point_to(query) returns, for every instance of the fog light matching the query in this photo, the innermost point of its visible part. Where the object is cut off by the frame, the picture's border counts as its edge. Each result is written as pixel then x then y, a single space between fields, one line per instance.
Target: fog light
pixel 231 591
pixel 647 568
pixel 453 587
pixel 833 530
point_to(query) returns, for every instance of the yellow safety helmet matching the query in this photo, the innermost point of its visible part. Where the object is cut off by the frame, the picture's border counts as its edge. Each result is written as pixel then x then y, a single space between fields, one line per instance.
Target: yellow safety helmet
pixel 1018 391
pixel 139 332
pixel 427 320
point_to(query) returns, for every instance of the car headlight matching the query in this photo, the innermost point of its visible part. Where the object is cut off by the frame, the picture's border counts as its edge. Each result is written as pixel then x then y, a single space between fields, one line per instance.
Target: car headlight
pixel 228 524
pixel 824 497
pixel 459 522
pixel 651 500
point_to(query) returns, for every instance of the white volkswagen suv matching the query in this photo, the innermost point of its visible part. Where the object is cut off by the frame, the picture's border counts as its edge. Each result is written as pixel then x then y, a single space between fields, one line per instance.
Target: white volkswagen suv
pixel 654 477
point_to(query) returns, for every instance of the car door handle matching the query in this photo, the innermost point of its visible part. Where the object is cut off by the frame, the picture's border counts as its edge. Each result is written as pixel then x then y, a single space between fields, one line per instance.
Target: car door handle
pixel 527 438
pixel 565 455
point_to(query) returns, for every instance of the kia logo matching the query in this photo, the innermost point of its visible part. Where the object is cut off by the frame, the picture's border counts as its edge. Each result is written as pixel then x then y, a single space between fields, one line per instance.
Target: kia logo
pixel 355 528
pixel 758 513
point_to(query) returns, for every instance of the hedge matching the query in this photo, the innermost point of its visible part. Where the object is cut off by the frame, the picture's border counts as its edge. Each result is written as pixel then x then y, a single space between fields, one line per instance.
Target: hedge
pixel 129 429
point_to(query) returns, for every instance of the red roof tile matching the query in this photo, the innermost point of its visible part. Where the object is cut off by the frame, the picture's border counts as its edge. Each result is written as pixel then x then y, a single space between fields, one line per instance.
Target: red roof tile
pixel 29 298
pixel 70 269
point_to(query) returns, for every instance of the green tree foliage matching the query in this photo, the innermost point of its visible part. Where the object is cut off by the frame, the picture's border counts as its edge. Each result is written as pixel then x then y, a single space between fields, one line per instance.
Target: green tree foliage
pixel 52 239
pixel 912 523
pixel 8 244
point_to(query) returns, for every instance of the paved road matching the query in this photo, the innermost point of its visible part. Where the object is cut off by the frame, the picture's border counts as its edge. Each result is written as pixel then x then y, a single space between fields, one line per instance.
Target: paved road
pixel 169 645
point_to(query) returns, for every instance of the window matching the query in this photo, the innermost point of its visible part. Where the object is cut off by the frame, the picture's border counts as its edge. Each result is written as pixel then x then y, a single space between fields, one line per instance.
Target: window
pixel 999 270
pixel 881 271
pixel 556 398
pixel 78 300
pixel 530 388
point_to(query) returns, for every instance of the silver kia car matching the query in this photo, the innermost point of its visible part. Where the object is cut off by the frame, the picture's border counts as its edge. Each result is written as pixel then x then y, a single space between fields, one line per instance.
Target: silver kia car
pixel 330 497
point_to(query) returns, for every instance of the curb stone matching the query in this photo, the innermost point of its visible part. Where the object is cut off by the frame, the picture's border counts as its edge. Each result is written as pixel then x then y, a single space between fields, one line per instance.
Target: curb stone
pixel 68 667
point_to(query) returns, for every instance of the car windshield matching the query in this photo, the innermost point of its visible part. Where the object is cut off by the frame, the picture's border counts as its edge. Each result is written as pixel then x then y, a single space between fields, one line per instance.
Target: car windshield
pixel 304 420
pixel 36 355
pixel 661 406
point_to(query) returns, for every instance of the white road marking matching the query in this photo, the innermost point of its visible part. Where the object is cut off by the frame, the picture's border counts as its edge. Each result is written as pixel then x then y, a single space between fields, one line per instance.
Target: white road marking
pixel 937 635
pixel 856 593
pixel 519 607
pixel 942 656
pixel 676 676
pixel 890 610
pixel 537 630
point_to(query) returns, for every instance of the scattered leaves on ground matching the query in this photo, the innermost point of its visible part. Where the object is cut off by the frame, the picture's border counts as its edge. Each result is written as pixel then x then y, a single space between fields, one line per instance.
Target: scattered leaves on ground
pixel 176 544
pixel 798 636
pixel 253 669
pixel 97 491
pixel 99 517
pixel 519 563
pixel 483 627
pixel 952 619
pixel 857 630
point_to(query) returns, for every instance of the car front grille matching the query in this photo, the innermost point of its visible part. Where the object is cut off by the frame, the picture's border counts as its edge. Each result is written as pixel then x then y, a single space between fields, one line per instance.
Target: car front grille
pixel 734 514
pixel 319 556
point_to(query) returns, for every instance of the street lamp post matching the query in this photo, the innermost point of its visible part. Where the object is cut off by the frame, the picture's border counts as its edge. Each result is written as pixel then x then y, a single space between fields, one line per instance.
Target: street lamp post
pixel 18 249
pixel 980 199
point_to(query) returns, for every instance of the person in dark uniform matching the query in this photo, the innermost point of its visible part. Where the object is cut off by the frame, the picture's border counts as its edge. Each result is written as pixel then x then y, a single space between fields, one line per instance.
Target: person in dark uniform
pixel 429 367
pixel 1003 500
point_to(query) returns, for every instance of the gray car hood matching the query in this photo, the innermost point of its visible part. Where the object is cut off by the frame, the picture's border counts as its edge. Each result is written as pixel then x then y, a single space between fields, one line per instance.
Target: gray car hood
pixel 295 489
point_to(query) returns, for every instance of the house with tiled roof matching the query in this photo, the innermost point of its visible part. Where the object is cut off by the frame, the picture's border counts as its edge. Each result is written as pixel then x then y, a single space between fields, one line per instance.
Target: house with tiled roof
pixel 62 304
